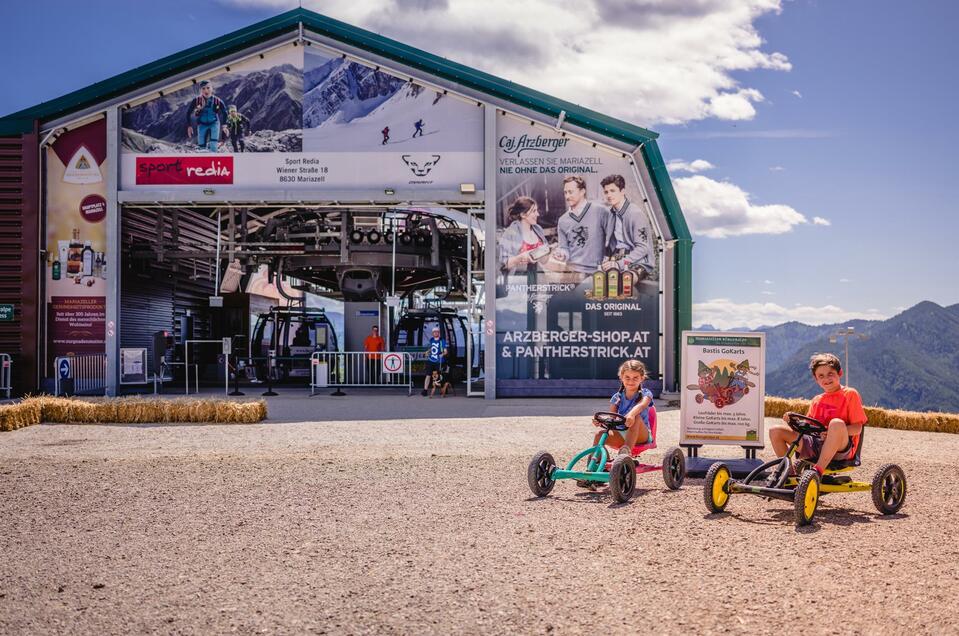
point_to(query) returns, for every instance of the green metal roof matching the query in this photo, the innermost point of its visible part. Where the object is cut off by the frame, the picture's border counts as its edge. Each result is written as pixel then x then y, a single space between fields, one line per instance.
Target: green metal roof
pixel 21 121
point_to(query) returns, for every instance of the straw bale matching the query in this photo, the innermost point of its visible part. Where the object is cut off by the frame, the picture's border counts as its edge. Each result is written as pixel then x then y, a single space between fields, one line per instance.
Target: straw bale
pixel 932 422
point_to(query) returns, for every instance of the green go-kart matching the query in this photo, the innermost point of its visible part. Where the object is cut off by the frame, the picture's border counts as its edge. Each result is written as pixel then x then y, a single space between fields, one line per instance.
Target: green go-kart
pixel 803 487
pixel 618 471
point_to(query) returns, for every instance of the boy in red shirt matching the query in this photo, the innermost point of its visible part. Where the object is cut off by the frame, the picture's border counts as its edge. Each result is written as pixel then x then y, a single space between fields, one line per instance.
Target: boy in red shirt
pixel 839 408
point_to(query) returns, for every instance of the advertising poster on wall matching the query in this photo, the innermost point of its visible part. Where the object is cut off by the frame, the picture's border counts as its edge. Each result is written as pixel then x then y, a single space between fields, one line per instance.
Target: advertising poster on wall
pixel 77 260
pixel 577 289
pixel 302 118
pixel 723 392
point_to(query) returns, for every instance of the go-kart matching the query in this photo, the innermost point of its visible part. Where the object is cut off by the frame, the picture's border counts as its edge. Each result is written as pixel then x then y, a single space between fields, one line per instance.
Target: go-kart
pixel 618 471
pixel 804 488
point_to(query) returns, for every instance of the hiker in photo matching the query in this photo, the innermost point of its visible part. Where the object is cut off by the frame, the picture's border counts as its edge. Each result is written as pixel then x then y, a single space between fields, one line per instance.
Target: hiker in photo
pixel 237 126
pixel 386 135
pixel 630 244
pixel 583 230
pixel 208 113
pixel 419 128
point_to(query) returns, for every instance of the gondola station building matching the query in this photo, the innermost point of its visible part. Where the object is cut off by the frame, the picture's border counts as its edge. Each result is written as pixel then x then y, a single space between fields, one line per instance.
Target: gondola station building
pixel 291 185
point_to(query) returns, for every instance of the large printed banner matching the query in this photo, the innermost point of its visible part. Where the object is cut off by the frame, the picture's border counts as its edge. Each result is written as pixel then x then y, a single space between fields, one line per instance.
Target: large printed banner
pixel 300 118
pixel 77 260
pixel 723 392
pixel 577 289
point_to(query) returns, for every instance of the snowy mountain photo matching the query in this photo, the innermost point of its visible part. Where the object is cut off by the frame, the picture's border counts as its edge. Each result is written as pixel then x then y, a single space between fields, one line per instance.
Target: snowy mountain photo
pixel 351 107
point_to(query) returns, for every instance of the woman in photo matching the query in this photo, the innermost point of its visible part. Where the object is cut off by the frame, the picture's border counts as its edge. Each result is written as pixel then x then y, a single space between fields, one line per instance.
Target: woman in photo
pixel 523 243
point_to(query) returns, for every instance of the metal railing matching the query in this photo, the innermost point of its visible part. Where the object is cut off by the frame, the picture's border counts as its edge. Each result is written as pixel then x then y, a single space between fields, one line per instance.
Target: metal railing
pixel 356 368
pixel 6 369
pixel 87 374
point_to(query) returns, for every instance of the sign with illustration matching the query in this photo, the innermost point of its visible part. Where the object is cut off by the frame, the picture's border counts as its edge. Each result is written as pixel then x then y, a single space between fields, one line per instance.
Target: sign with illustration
pixel 77 258
pixel 723 392
pixel 303 118
pixel 578 282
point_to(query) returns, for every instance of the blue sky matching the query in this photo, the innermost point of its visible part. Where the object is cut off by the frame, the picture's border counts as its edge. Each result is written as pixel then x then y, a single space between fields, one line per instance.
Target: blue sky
pixel 827 124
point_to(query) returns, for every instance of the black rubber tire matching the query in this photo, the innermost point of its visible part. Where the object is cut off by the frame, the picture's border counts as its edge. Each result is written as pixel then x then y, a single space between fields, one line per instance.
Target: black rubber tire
pixel 711 475
pixel 540 474
pixel 806 482
pixel 674 468
pixel 622 478
pixel 889 489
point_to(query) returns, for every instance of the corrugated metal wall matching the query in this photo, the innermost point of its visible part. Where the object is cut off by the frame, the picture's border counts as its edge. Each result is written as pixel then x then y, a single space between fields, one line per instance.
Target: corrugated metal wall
pixel 20 253
pixel 153 296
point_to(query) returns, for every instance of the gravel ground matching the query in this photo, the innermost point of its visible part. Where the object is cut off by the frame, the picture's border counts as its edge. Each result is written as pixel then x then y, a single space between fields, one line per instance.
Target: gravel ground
pixel 426 526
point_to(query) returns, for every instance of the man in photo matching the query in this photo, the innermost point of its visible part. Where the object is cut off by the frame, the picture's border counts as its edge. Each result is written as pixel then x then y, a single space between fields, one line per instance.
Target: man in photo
pixel 208 113
pixel 582 230
pixel 631 242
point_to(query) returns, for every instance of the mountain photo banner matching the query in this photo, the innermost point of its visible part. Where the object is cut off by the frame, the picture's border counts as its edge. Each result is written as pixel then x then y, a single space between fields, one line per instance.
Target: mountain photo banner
pixel 298 118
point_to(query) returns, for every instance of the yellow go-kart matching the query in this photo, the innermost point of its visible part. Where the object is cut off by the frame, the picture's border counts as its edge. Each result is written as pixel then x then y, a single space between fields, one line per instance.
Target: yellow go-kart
pixel 888 485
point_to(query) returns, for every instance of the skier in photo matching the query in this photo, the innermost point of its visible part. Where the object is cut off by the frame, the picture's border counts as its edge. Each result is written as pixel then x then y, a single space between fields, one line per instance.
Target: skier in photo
pixel 208 112
pixel 419 128
pixel 386 135
pixel 237 125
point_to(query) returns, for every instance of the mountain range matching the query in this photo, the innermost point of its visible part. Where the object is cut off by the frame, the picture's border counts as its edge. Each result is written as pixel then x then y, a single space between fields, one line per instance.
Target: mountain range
pixel 346 90
pixel 271 99
pixel 909 361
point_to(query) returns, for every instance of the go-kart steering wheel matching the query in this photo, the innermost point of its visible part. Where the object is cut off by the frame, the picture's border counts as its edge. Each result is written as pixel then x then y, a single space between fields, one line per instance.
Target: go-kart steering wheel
pixel 805 425
pixel 610 421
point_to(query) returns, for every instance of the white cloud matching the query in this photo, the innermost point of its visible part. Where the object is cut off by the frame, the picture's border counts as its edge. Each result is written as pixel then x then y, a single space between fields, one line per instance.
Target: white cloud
pixel 818 220
pixel 645 61
pixel 797 94
pixel 845 280
pixel 767 282
pixel 718 209
pixel 723 313
pixel 767 293
pixel 697 165
pixel 735 106
pixel 776 168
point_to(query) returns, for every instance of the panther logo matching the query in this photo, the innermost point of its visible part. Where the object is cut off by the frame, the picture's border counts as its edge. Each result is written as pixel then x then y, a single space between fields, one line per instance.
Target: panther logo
pixel 419 166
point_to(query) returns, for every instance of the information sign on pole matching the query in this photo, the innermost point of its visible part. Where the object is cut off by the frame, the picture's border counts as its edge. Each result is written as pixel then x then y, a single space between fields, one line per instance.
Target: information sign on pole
pixel 723 388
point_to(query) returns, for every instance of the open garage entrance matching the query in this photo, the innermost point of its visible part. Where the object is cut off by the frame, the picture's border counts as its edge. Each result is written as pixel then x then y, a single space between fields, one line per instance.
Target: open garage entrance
pixel 286 281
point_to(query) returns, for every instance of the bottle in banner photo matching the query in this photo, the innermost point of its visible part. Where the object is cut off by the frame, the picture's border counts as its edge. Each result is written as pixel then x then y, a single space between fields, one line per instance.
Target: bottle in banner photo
pixel 75 255
pixel 599 285
pixel 87 259
pixel 613 280
pixel 56 270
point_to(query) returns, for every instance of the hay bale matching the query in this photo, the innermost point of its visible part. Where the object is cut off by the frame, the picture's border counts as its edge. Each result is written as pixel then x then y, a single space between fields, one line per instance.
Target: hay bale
pixel 128 410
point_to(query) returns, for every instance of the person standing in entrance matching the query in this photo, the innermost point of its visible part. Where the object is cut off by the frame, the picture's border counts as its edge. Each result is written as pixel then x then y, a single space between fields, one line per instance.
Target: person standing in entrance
pixel 435 358
pixel 373 345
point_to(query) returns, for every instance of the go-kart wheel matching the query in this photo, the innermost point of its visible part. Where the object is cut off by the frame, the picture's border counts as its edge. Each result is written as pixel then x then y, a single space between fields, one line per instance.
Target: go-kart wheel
pixel 806 499
pixel 716 487
pixel 674 468
pixel 540 474
pixel 622 478
pixel 889 489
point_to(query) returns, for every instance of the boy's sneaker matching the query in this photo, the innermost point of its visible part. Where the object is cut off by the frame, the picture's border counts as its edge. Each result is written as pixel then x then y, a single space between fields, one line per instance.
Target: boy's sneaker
pixel 624 450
